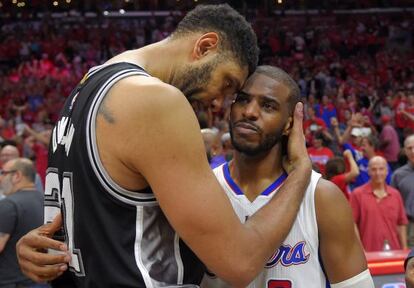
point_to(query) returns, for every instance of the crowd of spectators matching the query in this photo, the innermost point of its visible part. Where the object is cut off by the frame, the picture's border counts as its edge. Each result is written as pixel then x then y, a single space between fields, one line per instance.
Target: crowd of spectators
pixel 355 72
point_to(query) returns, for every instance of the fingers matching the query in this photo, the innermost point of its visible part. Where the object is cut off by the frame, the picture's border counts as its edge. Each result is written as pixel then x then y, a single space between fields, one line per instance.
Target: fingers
pixel 53 226
pixel 297 152
pixel 41 274
pixel 26 251
pixel 36 239
pixel 36 264
pixel 298 118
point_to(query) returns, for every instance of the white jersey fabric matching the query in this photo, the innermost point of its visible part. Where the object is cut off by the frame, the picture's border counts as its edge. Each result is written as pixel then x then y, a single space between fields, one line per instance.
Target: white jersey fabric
pixel 296 263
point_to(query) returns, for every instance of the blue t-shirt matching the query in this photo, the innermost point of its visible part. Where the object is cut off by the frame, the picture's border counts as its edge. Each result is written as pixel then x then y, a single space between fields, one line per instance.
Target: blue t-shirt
pixel 363 176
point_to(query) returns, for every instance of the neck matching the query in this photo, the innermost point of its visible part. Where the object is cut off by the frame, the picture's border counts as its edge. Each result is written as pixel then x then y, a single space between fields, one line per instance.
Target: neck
pixel 377 186
pixel 25 186
pixel 254 174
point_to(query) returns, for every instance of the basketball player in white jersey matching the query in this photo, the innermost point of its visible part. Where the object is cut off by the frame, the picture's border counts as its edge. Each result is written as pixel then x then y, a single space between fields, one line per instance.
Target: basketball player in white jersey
pixel 321 248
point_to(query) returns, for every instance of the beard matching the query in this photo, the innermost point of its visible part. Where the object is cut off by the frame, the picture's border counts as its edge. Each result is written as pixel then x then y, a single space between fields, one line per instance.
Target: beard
pixel 5 187
pixel 266 143
pixel 194 80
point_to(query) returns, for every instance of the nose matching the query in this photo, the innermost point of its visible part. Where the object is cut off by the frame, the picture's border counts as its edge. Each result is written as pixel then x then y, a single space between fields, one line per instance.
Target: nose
pixel 251 110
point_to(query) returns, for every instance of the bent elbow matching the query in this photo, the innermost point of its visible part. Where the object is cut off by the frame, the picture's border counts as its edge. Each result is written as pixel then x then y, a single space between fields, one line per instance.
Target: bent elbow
pixel 242 274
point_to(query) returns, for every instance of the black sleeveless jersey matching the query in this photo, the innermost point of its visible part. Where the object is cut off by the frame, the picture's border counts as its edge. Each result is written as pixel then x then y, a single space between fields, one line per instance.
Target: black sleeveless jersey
pixel 117 237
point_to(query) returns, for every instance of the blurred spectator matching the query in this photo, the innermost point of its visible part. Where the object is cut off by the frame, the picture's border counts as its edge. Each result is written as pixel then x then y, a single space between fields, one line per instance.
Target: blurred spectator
pixel 10 152
pixel 389 142
pixel 312 124
pixel 379 211
pixel 227 146
pixel 335 171
pixel 351 138
pixel 408 112
pixel 403 181
pixel 20 211
pixel 214 147
pixel 318 153
pixel 326 110
pixel 369 150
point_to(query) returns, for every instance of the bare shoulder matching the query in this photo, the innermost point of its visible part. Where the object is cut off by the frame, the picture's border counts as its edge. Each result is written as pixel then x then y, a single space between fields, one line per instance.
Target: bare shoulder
pixel 136 119
pixel 330 202
pixel 139 90
pixel 142 99
pixel 327 192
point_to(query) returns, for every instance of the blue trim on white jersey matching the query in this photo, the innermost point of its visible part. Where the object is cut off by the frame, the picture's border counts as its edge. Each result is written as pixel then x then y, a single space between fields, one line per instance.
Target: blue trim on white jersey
pixel 275 184
pixel 236 189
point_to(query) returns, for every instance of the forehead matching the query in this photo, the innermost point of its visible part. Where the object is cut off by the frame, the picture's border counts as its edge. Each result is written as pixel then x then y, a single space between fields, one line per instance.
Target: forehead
pixel 234 71
pixel 377 163
pixel 409 142
pixel 260 84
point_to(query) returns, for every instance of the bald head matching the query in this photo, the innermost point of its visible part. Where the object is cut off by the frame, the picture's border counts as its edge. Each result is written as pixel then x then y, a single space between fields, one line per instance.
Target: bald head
pixel 9 152
pixel 408 140
pixel 378 169
pixel 17 174
pixel 377 160
pixel 409 148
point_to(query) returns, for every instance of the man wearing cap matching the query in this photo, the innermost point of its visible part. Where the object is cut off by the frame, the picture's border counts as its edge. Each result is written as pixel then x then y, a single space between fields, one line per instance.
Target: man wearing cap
pixel 389 142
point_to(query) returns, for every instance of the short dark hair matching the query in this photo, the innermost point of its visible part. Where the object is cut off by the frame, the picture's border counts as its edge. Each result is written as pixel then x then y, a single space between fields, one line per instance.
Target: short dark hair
pixel 334 166
pixel 283 77
pixel 236 33
pixel 373 141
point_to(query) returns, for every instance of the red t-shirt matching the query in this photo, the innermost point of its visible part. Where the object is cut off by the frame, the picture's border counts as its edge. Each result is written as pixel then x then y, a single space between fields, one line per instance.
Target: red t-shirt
pixel 320 157
pixel 318 123
pixel 339 180
pixel 410 123
pixel 41 160
pixel 378 221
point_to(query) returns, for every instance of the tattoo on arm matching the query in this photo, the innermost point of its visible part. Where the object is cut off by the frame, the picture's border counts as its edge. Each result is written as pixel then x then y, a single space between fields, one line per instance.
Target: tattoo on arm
pixel 106 114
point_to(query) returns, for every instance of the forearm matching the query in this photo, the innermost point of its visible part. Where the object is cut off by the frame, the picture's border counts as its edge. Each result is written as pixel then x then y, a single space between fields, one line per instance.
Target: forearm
pixel 354 169
pixel 402 236
pixel 338 134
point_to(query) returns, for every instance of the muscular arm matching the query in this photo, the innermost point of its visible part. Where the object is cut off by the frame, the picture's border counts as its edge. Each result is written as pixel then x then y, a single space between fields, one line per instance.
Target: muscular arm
pixel 341 251
pixel 165 146
pixel 4 237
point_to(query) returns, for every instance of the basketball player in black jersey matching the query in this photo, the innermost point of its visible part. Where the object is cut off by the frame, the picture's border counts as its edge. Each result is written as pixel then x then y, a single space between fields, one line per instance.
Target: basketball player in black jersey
pixel 129 175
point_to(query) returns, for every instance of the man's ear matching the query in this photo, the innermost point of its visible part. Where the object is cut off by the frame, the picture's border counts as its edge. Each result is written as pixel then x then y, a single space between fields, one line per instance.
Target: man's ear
pixel 205 44
pixel 288 126
pixel 18 175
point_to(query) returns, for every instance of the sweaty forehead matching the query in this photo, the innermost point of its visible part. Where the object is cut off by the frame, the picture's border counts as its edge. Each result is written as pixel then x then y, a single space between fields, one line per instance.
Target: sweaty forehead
pixel 260 84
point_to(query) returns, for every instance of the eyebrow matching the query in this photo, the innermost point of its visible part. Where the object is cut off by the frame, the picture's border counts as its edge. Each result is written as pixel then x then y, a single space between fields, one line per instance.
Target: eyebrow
pixel 272 99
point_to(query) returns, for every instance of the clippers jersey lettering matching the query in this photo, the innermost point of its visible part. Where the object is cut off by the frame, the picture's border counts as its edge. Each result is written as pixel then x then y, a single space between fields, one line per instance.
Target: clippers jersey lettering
pixel 117 237
pixel 295 264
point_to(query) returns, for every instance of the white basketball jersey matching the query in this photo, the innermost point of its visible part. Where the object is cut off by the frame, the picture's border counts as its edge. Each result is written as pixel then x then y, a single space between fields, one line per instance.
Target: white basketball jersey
pixel 296 263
